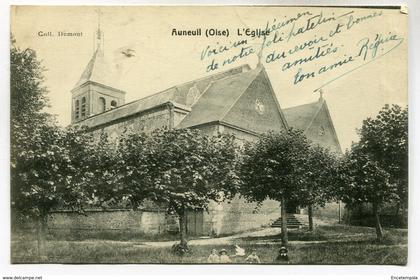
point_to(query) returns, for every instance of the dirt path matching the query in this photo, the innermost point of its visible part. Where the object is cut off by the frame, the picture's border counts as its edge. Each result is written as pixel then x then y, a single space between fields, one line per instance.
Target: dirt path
pixel 267 232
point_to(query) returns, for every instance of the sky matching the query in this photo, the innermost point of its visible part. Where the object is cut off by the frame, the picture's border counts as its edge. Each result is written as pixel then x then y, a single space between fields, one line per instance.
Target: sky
pixel 376 41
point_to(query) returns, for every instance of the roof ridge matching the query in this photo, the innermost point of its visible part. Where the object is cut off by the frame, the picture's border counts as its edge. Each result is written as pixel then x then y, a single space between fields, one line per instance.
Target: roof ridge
pixel 215 74
pixel 176 87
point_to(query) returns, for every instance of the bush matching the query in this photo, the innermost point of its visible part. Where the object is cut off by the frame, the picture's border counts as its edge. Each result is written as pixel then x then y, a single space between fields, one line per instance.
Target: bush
pixel 180 249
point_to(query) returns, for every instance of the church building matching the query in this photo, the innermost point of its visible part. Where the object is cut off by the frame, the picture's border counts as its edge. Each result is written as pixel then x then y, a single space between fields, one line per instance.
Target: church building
pixel 239 101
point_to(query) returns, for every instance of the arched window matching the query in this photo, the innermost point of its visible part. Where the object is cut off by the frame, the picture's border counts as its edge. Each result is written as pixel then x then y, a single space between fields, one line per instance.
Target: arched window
pixel 77 109
pixel 113 104
pixel 83 107
pixel 102 105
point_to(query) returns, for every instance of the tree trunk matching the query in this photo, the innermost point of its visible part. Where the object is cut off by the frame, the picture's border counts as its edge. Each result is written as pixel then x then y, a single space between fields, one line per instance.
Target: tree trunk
pixel 378 227
pixel 404 217
pixel 284 239
pixel 397 210
pixel 310 217
pixel 41 224
pixel 183 227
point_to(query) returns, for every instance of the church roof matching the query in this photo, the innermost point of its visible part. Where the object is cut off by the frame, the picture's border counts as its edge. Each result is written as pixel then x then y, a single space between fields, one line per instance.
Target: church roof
pixel 300 117
pixel 218 98
pixel 98 70
pixel 176 95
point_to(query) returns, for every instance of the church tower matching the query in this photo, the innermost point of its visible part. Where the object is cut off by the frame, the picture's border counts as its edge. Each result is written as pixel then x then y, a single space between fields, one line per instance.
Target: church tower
pixel 97 90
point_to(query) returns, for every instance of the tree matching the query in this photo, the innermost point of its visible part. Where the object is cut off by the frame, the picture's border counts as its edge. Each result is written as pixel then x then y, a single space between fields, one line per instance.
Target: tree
pixel 182 170
pixel 366 182
pixel 45 159
pixel 29 133
pixel 385 139
pixel 98 163
pixel 134 165
pixel 28 95
pixel 47 175
pixel 273 168
pixel 319 180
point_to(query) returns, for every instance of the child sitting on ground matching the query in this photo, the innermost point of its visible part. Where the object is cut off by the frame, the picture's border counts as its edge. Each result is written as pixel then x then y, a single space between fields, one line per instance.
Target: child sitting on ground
pixel 283 256
pixel 213 257
pixel 224 258
pixel 253 258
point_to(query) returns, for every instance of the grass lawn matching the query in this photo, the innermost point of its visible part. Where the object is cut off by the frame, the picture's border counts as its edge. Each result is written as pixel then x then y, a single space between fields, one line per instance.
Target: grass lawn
pixel 327 245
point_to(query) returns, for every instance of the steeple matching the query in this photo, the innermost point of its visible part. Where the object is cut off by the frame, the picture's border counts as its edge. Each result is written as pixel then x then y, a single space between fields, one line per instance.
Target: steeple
pixel 99 34
pixel 97 89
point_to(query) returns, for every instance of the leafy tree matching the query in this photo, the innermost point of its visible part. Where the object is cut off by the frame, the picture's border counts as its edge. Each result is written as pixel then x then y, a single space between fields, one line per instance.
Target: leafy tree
pixel 46 175
pixel 45 159
pixel 134 165
pixel 97 162
pixel 365 181
pixel 182 170
pixel 28 132
pixel 385 139
pixel 273 168
pixel 28 95
pixel 319 180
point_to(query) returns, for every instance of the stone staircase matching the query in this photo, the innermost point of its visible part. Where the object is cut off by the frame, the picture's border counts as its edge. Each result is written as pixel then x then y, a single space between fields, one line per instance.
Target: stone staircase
pixel 292 222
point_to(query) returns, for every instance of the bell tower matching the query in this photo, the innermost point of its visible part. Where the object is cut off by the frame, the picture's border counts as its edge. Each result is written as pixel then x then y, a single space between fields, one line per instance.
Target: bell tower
pixel 97 90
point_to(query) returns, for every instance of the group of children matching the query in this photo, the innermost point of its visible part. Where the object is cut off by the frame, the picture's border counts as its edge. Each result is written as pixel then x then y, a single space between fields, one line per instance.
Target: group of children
pixel 222 256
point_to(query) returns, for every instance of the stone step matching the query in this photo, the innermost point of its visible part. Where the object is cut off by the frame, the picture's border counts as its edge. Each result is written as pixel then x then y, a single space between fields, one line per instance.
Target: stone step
pixel 291 220
pixel 288 226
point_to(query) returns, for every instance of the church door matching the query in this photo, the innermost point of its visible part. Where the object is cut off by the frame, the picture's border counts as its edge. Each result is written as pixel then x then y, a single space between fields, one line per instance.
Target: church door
pixel 195 222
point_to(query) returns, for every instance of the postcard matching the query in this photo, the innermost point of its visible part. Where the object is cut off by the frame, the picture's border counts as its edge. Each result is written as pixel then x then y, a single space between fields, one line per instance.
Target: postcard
pixel 209 135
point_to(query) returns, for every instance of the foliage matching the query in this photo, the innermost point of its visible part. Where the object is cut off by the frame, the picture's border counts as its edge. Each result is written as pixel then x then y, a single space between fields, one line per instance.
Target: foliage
pixel 274 166
pixel 365 180
pixel 179 170
pixel 28 95
pixel 97 163
pixel 191 168
pixel 36 150
pixel 53 169
pixel 134 164
pixel 385 139
pixel 181 249
pixel 319 184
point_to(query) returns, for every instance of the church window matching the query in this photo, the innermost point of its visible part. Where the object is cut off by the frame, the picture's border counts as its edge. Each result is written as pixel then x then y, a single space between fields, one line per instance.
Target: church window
pixel 77 109
pixel 113 103
pixel 259 106
pixel 102 105
pixel 83 107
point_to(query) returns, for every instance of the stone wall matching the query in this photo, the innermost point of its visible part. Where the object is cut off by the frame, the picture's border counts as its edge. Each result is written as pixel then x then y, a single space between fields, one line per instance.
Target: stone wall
pixel 145 122
pixel 225 218
pixel 137 221
pixel 238 216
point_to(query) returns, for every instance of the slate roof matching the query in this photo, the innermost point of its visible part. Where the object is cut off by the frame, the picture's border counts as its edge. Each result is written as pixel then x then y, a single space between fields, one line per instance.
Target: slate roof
pixel 130 108
pixel 175 95
pixel 300 117
pixel 219 98
pixel 98 70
